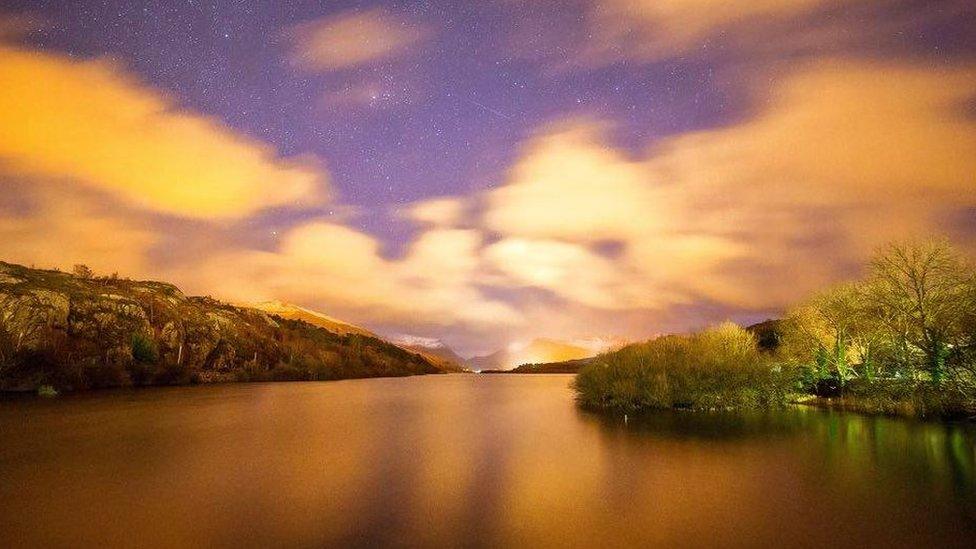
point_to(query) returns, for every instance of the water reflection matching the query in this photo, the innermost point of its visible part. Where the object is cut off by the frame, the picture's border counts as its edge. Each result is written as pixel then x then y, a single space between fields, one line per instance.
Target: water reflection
pixel 932 455
pixel 466 460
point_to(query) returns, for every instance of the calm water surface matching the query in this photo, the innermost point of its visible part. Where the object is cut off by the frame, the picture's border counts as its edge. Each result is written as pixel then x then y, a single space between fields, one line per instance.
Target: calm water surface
pixel 466 460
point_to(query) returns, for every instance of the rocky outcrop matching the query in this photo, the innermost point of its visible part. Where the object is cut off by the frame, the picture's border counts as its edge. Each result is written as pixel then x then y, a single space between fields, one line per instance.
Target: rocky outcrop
pixel 74 333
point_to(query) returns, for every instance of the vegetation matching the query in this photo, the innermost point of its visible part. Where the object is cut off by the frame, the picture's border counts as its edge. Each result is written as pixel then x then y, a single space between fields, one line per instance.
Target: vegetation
pixel 902 341
pixel 566 367
pixel 719 368
pixel 77 331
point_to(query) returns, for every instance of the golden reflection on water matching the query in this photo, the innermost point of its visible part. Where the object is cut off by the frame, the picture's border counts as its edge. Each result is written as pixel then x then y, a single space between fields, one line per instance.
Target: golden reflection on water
pixel 466 460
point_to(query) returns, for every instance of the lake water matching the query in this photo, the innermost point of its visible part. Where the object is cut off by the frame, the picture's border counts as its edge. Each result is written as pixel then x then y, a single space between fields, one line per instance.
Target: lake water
pixel 466 460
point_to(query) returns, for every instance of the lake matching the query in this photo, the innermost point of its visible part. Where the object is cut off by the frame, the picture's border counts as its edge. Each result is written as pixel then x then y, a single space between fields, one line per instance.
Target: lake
pixel 466 460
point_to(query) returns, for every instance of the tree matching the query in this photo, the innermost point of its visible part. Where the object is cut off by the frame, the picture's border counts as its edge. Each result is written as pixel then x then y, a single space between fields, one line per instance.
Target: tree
pixel 82 271
pixel 924 295
pixel 830 333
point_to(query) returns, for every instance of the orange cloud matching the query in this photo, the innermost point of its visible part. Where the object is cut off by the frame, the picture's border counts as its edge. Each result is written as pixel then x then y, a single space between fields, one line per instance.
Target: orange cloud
pixel 341 270
pixel 89 122
pixel 352 38
pixel 844 154
pixel 567 172
pixel 438 212
pixel 51 227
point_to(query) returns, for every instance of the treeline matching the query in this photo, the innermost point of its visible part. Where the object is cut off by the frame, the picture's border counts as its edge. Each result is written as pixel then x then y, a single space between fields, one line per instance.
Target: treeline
pixel 901 340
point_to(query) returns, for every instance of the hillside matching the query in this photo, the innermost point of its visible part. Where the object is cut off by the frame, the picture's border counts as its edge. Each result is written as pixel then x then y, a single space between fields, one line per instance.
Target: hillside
pixel 441 356
pixel 315 318
pixel 78 332
pixel 536 352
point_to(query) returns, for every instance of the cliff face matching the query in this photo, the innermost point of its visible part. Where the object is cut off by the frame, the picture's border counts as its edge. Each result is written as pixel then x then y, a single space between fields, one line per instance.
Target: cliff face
pixel 75 333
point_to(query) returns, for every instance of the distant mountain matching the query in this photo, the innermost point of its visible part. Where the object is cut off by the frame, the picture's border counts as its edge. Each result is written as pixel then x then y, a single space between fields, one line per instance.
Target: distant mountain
pixel 78 332
pixel 535 352
pixel 434 350
pixel 315 318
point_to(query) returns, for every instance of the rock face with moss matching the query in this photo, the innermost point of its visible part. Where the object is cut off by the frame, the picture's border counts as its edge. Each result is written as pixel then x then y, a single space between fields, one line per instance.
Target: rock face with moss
pixel 79 332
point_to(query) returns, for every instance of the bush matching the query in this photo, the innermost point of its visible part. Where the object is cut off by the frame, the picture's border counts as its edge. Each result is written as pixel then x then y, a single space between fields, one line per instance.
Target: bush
pixel 82 271
pixel 720 368
pixel 143 349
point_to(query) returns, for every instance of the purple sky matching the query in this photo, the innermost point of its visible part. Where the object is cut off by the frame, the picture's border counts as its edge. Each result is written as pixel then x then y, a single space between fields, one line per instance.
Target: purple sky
pixel 456 109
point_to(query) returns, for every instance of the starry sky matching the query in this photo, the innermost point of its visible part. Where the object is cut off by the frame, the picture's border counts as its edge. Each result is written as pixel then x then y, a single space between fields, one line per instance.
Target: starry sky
pixel 487 172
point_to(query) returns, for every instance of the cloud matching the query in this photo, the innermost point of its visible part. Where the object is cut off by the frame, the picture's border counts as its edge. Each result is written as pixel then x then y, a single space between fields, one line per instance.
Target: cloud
pixel 570 271
pixel 661 27
pixel 341 270
pixel 843 156
pixel 607 31
pixel 352 38
pixel 90 122
pixel 438 212
pixel 748 33
pixel 569 184
pixel 47 226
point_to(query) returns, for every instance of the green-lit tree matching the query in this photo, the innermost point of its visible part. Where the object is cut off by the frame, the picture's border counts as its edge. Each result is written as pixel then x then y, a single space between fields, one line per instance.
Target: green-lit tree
pixel 924 297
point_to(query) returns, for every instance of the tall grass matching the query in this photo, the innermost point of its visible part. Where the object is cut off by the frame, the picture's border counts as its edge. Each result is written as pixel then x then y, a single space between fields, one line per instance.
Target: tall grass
pixel 719 368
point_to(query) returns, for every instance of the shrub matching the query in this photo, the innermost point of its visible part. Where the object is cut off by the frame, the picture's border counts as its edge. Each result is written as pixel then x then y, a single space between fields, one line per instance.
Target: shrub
pixel 720 368
pixel 82 271
pixel 143 349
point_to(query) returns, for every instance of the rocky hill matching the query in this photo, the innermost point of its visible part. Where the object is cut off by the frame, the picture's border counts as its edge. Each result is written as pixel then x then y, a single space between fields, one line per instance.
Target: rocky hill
pixel 78 332
pixel 437 354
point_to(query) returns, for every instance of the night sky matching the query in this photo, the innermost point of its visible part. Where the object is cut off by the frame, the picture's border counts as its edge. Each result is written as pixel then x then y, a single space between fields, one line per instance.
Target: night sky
pixel 488 172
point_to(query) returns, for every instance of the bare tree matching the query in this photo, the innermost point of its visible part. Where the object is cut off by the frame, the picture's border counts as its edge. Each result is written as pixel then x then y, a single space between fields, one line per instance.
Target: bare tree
pixel 827 332
pixel 924 292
